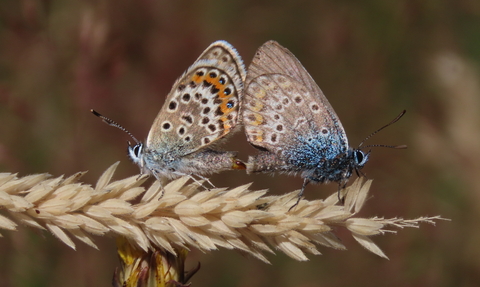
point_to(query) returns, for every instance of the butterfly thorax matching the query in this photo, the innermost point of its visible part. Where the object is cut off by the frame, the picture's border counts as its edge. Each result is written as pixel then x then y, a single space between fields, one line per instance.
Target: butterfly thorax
pixel 337 169
pixel 321 157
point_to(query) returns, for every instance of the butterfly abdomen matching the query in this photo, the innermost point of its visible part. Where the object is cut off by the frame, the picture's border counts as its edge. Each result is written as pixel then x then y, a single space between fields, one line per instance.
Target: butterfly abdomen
pixel 210 161
pixel 266 162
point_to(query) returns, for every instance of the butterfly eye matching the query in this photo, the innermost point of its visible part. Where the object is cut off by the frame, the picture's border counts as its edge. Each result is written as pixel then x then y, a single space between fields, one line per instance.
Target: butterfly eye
pixel 137 149
pixel 360 158
pixel 135 152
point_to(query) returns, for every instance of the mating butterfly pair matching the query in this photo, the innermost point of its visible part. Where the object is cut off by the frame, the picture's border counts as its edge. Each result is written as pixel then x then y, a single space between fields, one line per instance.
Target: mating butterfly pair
pixel 285 114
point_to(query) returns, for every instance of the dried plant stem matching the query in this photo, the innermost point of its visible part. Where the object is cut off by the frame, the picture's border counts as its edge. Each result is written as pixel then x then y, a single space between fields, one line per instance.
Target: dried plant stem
pixel 152 268
pixel 186 216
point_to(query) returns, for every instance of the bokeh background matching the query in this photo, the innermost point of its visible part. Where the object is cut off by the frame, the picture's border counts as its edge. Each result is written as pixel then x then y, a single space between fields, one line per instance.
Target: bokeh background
pixel 372 59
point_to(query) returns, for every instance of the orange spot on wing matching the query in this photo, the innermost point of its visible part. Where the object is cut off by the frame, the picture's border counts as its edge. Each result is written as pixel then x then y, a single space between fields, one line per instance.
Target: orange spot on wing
pixel 215 82
pixel 258 120
pixel 258 106
pixel 220 87
pixel 223 106
pixel 257 138
pixel 255 135
pixel 197 79
pixel 226 127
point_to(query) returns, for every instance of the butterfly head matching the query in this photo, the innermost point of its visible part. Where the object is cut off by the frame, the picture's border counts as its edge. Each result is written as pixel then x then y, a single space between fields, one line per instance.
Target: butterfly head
pixel 136 153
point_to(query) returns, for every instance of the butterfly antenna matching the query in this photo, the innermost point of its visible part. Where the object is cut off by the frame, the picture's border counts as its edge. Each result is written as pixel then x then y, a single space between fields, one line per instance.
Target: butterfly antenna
pixel 113 124
pixel 403 146
pixel 375 132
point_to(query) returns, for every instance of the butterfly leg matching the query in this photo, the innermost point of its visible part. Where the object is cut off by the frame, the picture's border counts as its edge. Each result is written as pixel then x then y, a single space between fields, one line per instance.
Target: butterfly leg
pixel 207 180
pixel 300 195
pixel 199 183
pixel 339 193
pixel 160 181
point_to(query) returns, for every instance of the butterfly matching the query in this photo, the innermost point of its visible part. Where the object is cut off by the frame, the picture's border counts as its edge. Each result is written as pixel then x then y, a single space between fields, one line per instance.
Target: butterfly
pixel 200 111
pixel 290 121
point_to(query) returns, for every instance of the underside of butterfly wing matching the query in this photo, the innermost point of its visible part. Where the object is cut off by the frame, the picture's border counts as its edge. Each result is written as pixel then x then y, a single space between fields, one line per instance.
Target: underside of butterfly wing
pixel 287 117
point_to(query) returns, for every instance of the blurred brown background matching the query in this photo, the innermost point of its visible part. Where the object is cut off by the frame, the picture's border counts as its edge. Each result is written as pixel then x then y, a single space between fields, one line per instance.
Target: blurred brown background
pixel 372 59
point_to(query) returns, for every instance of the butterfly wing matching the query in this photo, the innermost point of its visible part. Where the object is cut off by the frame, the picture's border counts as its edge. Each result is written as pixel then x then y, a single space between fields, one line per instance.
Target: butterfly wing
pixel 203 105
pixel 285 110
